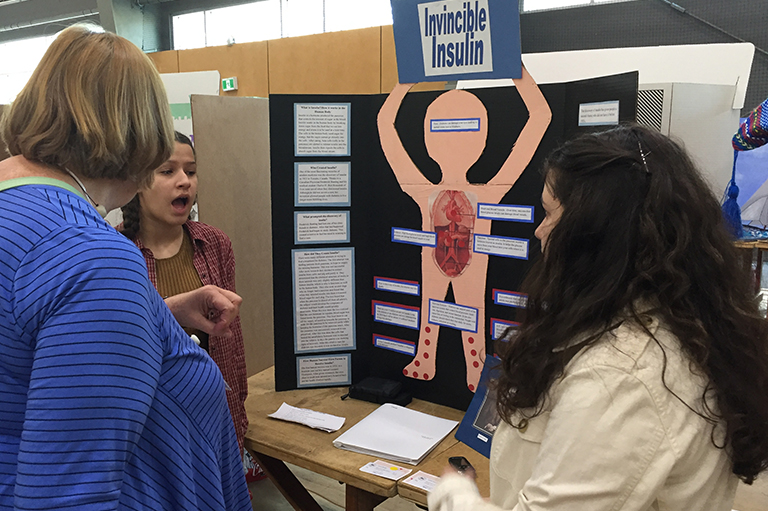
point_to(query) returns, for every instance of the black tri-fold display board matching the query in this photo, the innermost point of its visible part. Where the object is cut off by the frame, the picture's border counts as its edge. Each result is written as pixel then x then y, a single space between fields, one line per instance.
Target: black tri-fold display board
pixel 384 268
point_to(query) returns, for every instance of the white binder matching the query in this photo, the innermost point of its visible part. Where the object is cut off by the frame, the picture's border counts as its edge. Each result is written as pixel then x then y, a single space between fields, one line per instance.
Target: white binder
pixel 396 433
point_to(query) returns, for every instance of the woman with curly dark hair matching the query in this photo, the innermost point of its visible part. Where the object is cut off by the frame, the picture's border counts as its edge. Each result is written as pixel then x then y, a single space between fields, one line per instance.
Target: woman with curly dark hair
pixel 638 378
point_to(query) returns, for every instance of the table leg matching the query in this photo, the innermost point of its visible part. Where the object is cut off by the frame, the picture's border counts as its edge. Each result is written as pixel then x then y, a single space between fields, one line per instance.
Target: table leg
pixel 361 500
pixel 291 488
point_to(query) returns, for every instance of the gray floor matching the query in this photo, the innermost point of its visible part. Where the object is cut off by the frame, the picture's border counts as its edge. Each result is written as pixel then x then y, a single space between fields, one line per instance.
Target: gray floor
pixel 327 492
pixel 330 494
pixel 265 495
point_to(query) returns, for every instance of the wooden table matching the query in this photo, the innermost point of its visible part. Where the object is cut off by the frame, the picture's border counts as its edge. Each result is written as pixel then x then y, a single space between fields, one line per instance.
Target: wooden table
pixel 752 252
pixel 273 442
pixel 436 465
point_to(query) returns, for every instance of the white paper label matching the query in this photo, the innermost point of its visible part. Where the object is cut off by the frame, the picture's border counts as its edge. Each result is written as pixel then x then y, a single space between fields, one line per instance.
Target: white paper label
pixel 452 315
pixel 324 299
pixel 396 315
pixel 322 183
pixel 423 480
pixel 506 247
pixel 322 129
pixel 414 237
pixel 385 469
pixel 319 227
pixel 504 212
pixel 454 125
pixel 599 114
pixel 323 371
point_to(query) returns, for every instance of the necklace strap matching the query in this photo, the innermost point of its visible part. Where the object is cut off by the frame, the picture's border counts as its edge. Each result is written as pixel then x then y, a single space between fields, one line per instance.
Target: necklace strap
pixel 82 186
pixel 37 180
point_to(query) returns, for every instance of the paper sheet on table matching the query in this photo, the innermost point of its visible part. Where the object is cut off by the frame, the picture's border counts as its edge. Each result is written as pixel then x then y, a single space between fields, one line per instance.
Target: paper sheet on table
pixel 384 469
pixel 311 418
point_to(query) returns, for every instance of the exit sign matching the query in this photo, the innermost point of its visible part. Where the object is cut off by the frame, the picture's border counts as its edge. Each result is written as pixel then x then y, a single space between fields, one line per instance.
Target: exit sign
pixel 228 84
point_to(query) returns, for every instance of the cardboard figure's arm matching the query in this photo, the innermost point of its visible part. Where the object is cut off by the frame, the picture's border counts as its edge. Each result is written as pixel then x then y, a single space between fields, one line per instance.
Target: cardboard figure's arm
pixel 405 170
pixel 539 116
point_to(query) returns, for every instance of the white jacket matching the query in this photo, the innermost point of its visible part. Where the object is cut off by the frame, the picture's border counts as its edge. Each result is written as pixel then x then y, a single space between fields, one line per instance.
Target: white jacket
pixel 612 437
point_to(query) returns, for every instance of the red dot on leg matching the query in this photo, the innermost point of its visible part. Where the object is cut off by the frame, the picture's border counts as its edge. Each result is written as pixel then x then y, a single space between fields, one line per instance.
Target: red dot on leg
pixel 426 355
pixel 416 363
pixel 476 364
pixel 426 342
pixel 426 376
pixel 405 372
pixel 473 352
pixel 427 329
pixel 415 375
pixel 471 387
pixel 471 340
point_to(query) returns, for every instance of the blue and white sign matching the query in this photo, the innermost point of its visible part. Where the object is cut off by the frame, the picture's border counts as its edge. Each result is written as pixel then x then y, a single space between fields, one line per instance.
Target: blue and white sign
pixel 510 298
pixel 408 287
pixel 505 212
pixel 392 344
pixel 605 113
pixel 456 39
pixel 443 125
pixel 411 237
pixel 516 248
pixel 499 326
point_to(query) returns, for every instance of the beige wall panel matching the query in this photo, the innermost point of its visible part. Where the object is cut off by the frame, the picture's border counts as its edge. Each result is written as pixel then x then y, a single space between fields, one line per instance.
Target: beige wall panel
pixel 165 61
pixel 389 65
pixel 232 144
pixel 388 60
pixel 246 61
pixel 332 63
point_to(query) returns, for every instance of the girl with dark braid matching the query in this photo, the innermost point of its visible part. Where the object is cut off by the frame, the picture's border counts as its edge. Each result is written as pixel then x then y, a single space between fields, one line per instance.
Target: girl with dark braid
pixel 183 255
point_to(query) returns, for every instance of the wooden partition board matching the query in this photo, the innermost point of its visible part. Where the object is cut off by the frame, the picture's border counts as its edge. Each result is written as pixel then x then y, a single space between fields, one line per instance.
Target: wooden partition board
pixel 331 63
pixel 389 66
pixel 232 144
pixel 166 61
pixel 246 61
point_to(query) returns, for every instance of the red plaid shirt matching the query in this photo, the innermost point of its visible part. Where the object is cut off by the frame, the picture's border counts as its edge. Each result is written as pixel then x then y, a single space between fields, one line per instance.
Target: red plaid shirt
pixel 214 261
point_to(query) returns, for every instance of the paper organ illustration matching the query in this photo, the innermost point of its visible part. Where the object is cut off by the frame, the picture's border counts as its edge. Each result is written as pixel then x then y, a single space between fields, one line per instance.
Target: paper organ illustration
pixel 455 133
pixel 453 219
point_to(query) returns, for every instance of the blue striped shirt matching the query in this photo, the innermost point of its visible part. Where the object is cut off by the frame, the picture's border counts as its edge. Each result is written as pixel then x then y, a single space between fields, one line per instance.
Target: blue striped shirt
pixel 105 403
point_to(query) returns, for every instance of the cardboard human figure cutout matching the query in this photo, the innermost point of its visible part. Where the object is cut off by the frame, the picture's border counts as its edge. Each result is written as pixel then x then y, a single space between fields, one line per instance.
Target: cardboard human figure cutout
pixel 449 208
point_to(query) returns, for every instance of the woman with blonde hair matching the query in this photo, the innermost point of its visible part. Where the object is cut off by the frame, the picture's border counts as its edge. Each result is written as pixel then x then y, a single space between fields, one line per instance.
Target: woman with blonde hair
pixel 105 402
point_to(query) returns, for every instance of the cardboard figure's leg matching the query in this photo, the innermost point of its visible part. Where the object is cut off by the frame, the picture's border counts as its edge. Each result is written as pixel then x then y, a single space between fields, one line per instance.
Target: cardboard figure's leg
pixel 434 286
pixel 474 353
pixel 469 290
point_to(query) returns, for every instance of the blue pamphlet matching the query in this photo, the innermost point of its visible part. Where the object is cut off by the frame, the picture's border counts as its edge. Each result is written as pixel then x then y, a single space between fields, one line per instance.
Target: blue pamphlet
pixel 481 420
pixel 456 39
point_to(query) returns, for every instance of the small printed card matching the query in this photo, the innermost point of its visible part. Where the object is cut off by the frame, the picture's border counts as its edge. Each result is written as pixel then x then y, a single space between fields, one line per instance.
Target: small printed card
pixel 423 480
pixel 385 469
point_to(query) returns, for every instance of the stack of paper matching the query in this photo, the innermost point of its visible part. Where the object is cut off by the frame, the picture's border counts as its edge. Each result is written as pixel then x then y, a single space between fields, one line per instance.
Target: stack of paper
pixel 396 433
